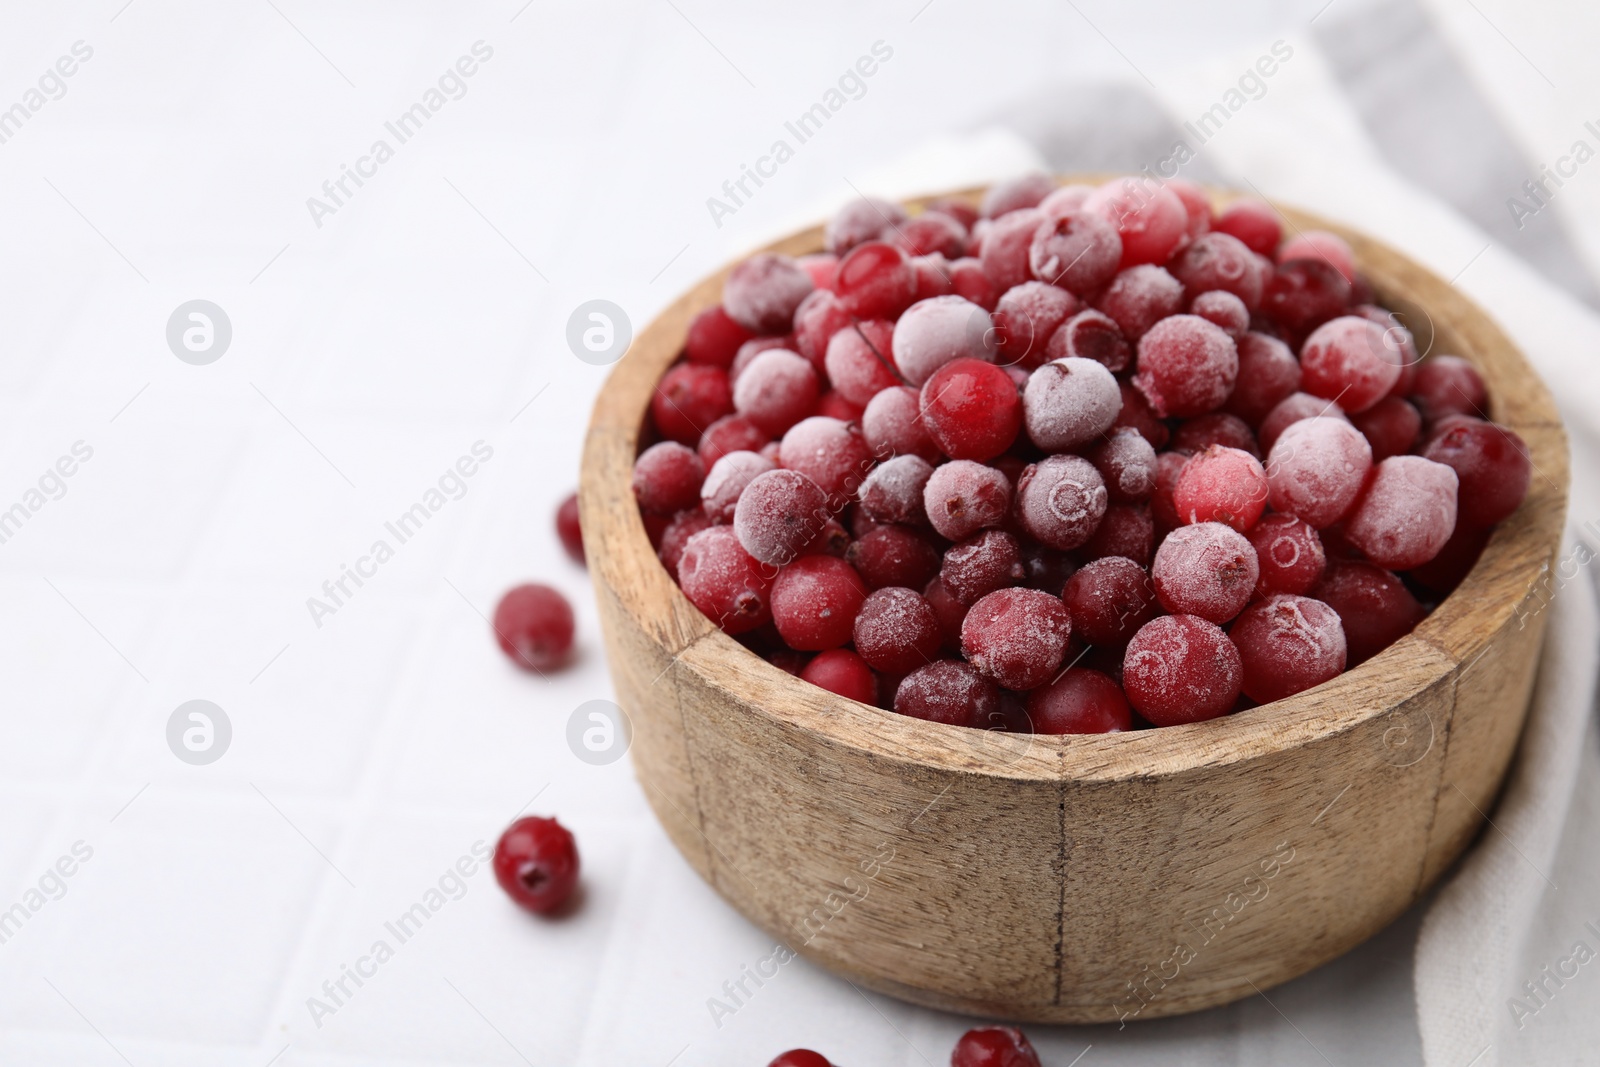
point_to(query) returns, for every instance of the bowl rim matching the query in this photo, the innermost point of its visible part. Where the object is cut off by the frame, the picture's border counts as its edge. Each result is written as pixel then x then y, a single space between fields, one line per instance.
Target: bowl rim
pixel 1516 557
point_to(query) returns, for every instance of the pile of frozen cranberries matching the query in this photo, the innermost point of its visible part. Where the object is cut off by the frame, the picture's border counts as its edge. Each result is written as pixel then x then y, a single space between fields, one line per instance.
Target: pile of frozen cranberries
pixel 1082 460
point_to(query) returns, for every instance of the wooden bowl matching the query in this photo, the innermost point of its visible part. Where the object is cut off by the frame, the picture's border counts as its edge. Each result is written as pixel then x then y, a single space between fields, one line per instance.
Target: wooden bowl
pixel 1079 879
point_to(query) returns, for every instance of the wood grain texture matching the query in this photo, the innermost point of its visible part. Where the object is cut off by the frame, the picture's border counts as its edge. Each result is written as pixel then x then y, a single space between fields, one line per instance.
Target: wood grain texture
pixel 1092 878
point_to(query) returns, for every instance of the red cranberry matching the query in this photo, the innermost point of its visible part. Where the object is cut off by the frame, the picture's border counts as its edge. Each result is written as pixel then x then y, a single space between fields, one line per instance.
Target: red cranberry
pixel 830 452
pixel 1078 251
pixel 1320 244
pixel 1180 669
pixel 964 496
pixel 675 538
pixel 938 331
pixel 815 600
pixel 1149 218
pixel 534 625
pixel 929 232
pixel 667 477
pixel 778 514
pixel 1069 403
pixel 1218 428
pixel 860 360
pixel 969 281
pixel 1013 194
pixel 777 390
pixel 819 317
pixel 971 409
pixel 1302 294
pixel 1110 599
pixel 893 555
pixel 1350 360
pixel 725 582
pixel 763 291
pixel 1268 374
pixel 1253 223
pixel 1374 606
pixel 1127 462
pixel 1090 334
pixel 1317 468
pixel 1061 500
pixel 860 221
pixel 731 433
pixel 948 691
pixel 1140 297
pixel 1224 311
pixel 1081 701
pixel 1127 530
pixel 567 528
pixel 536 863
pixel 994 1046
pixel 1137 413
pixel 1016 636
pixel 1004 248
pixel 1187 366
pixel 1290 555
pixel 979 566
pixel 726 481
pixel 1208 570
pixel 1406 512
pixel 1026 317
pixel 800 1057
pixel 1219 261
pixel 1287 644
pixel 875 281
pixel 1449 385
pixel 892 425
pixel 1391 426
pixel 1291 410
pixel 690 397
pixel 843 673
pixel 1492 465
pixel 1223 485
pixel 714 338
pixel 897 631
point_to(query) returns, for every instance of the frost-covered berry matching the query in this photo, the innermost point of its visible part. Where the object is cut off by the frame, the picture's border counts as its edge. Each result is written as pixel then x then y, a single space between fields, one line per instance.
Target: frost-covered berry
pixel 1405 514
pixel 1219 262
pixel 1004 248
pixel 1449 385
pixel 724 581
pixel 860 221
pixel 1016 636
pixel 893 492
pixel 1127 463
pixel 897 631
pixel 1218 428
pixel 1207 569
pixel 1109 600
pixel 1081 701
pixel 964 496
pixel 1180 669
pixel 778 514
pixel 714 338
pixel 938 331
pixel 860 361
pixel 727 479
pixel 1013 194
pixel 1253 223
pixel 1223 485
pixel 776 390
pixel 1350 360
pixel 1078 251
pixel 1025 319
pixel 1268 374
pixel 1187 366
pixel 1224 311
pixel 1391 426
pixel 1069 402
pixel 1374 606
pixel 1140 297
pixel 1292 409
pixel 731 433
pixel 1287 644
pixel 690 397
pixel 875 281
pixel 763 291
pixel 815 600
pixel 894 555
pixel 1320 244
pixel 1316 469
pixel 1127 530
pixel 980 565
pixel 667 477
pixel 892 425
pixel 830 452
pixel 1289 553
pixel 1492 465
pixel 1093 335
pixel 948 691
pixel 971 409
pixel 1061 500
pixel 1149 218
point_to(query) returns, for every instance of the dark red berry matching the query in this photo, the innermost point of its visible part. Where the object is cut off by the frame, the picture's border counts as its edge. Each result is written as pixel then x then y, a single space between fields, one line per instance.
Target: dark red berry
pixel 1080 701
pixel 567 528
pixel 714 338
pixel 800 1057
pixel 994 1046
pixel 534 625
pixel 842 672
pixel 536 863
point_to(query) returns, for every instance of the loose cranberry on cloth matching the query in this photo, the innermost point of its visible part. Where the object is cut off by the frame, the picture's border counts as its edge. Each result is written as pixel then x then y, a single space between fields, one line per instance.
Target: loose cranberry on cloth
pixel 533 624
pixel 536 863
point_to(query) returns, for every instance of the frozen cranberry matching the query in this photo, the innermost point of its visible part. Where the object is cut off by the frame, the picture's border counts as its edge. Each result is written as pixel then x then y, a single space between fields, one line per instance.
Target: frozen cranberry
pixel 1025 319
pixel 938 331
pixel 970 281
pixel 897 631
pixel 860 361
pixel 1268 374
pixel 1137 413
pixel 1016 636
pixel 892 425
pixel 860 221
pixel 978 566
pixel 1253 223
pixel 536 863
pixel 1110 599
pixel 533 624
pixel 960 210
pixel 731 433
pixel 1005 246
pixel 893 492
pixel 1223 485
pixel 1180 669
pixel 1187 366
pixel 1391 426
pixel 1455 560
pixel 814 602
pixel 1302 294
pixel 971 409
pixel 1219 261
pixel 1492 465
pixel 777 390
pixel 948 691
pixel 684 525
pixel 832 540
pixel 819 316
pixel 690 397
pixel 1405 514
pixel 667 477
pixel 950 611
pixel 725 582
pixel 994 1046
pixel 1081 701
pixel 1196 205
pixel 830 452
pixel 1139 297
pixel 1069 402
pixel 1287 644
pixel 1149 218
pixel 1293 409
pixel 1374 606
pixel 567 529
pixel 933 277
pixel 931 232
pixel 1449 385
pixel 727 479
pixel 875 281
pixel 800 1057
pixel 778 514
pixel 1092 335
pixel 1013 194
pixel 751 349
pixel 1320 244
pixel 1289 553
pixel 1217 428
pixel 1127 463
pixel 762 292
pixel 1350 360
pixel 1060 501
pixel 1078 251
pixel 1393 325
pixel 894 555
pixel 964 496
pixel 1224 311
pixel 1046 569
pixel 1127 530
pixel 1316 469
pixel 1207 569
pixel 714 338
pixel 843 673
